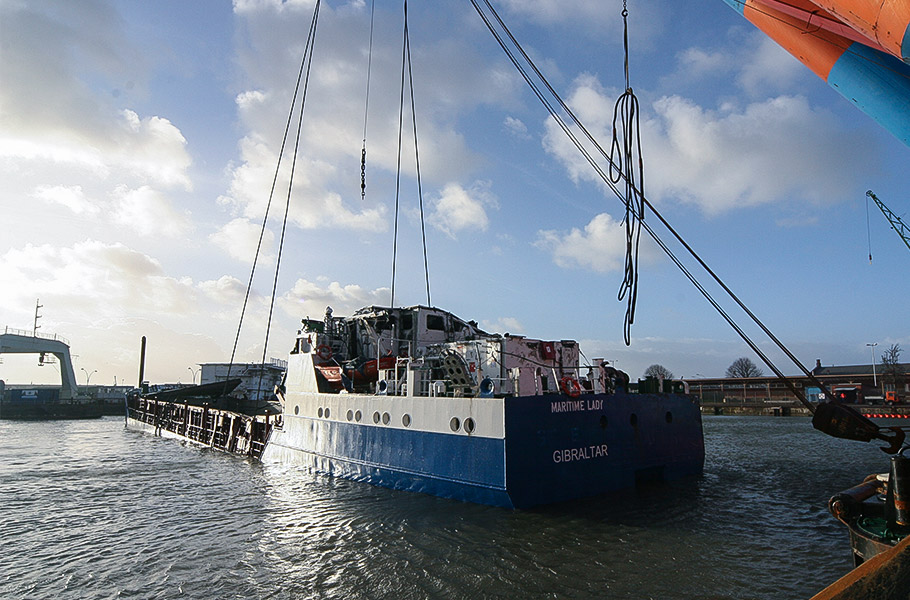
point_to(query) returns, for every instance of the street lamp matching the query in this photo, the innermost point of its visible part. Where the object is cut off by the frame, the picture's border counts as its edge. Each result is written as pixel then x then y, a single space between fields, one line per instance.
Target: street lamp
pixel 872 349
pixel 87 374
pixel 193 371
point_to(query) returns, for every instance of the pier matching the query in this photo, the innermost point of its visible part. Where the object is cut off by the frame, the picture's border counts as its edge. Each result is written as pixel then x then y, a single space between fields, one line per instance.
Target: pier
pixel 771 409
pixel 17 341
pixel 795 409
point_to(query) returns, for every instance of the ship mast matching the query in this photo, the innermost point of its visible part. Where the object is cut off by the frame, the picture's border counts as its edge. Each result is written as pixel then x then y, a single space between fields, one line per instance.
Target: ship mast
pixel 35 325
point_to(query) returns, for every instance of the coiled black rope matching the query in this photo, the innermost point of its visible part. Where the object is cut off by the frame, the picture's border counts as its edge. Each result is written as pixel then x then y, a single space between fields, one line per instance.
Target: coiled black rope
pixel 626 166
pixel 550 104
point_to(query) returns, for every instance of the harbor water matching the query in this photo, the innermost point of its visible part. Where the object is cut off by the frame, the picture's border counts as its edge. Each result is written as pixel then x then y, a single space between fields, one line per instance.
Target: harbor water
pixel 91 510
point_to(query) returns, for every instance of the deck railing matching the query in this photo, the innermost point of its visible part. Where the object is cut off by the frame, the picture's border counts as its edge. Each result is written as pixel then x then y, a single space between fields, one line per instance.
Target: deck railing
pixel 44 336
pixel 220 429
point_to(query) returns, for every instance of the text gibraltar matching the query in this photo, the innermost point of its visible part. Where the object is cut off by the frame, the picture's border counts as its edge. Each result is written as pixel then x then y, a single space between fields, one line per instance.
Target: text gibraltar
pixel 583 453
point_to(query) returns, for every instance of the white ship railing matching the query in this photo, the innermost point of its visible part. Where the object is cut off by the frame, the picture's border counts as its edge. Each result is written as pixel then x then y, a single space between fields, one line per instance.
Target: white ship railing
pixel 44 336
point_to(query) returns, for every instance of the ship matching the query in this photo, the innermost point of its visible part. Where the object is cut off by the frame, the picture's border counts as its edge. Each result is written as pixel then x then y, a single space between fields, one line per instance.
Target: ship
pixel 417 399
pixel 875 511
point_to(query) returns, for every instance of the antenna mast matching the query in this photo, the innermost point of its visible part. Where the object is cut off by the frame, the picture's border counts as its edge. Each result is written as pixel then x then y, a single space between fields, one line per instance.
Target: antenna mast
pixel 35 326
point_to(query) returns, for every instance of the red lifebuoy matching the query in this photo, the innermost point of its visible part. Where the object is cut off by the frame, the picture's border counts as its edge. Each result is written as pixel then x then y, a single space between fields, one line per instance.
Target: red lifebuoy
pixel 570 386
pixel 324 352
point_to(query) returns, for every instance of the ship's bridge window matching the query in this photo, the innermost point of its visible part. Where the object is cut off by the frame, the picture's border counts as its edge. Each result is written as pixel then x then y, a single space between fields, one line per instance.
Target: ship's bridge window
pixel 436 322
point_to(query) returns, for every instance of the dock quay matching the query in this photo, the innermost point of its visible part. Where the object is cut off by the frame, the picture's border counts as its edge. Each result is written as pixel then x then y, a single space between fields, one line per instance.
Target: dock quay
pixel 795 409
pixel 772 409
pixel 224 430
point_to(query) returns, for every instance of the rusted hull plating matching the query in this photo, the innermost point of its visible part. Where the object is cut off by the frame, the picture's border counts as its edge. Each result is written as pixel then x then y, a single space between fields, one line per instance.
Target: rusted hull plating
pixel 220 429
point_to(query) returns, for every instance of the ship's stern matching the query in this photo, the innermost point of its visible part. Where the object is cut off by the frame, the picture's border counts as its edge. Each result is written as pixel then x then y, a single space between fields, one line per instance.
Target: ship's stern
pixel 561 448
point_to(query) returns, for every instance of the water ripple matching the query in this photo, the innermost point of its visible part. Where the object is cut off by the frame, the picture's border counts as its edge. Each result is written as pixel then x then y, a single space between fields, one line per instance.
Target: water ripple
pixel 90 510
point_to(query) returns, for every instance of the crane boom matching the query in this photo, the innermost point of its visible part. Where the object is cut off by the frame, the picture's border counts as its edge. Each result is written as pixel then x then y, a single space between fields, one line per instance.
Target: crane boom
pixel 895 221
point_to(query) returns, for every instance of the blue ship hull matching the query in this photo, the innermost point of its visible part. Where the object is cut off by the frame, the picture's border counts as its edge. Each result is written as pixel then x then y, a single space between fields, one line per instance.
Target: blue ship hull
pixel 556 456
pixel 553 449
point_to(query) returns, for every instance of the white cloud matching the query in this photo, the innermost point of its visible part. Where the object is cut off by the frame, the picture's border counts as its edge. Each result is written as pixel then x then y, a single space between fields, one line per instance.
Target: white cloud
pixel 146 211
pixel 92 278
pixel 601 246
pixel 226 289
pixel 147 149
pixel 307 298
pixel 71 197
pixel 757 64
pixel 248 100
pixel 154 148
pixel 768 67
pixel 504 325
pixel 587 16
pixel 458 209
pixel 246 6
pixel 76 60
pixel 103 297
pixel 55 52
pixel 593 105
pixel 698 62
pixel 516 128
pixel 239 239
pixel 313 203
pixel 760 154
pixel 225 297
pixel 729 158
pixel 451 79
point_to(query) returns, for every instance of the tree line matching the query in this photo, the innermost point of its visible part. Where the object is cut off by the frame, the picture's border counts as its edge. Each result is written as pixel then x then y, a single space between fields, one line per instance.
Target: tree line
pixel 741 367
pixel 891 370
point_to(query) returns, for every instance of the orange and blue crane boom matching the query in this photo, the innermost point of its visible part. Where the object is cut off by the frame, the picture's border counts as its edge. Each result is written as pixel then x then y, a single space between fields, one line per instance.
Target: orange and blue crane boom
pixel 860 47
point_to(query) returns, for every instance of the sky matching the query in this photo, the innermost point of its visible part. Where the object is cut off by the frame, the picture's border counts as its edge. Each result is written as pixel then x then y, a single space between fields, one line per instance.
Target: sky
pixel 138 142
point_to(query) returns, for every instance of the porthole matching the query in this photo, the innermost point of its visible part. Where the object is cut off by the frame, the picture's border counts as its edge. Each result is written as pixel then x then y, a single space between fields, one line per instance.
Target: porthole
pixel 319 412
pixel 454 424
pixel 633 420
pixel 406 420
pixel 296 409
pixel 603 421
pixel 326 412
pixel 669 417
pixel 350 415
pixel 469 425
pixel 357 416
pixel 376 417
pixel 386 418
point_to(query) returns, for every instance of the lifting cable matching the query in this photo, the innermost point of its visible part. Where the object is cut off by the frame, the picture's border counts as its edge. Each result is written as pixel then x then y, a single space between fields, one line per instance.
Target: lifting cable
pixel 303 76
pixel 512 49
pixel 407 80
pixel 366 109
pixel 623 165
